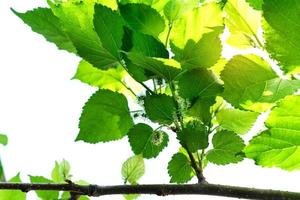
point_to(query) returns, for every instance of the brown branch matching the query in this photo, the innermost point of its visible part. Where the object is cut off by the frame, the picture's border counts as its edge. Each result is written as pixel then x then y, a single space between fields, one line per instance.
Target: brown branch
pixel 161 190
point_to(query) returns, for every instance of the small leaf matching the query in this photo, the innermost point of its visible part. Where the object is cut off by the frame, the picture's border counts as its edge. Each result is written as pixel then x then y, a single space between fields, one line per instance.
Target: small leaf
pixel 13 194
pixel 143 140
pixel 279 146
pixel 160 108
pixel 44 22
pixel 236 120
pixel 105 117
pixel 3 139
pixel 179 169
pixel 143 18
pixel 44 195
pixel 133 169
pixel 61 172
pixel 256 4
pixel 227 148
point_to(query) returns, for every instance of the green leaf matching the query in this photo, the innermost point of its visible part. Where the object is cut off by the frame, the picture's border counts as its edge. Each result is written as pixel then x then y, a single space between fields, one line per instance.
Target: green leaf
pixel 256 4
pixel 194 138
pixel 133 169
pixel 13 194
pixel 236 120
pixel 179 169
pixel 105 117
pixel 203 53
pixel 198 83
pixel 279 146
pixel 282 33
pixel 77 20
pixel 227 148
pixel 61 172
pixel 3 139
pixel 251 83
pixel 44 22
pixel 174 9
pixel 160 108
pixel 143 140
pixel 109 27
pixel 143 18
pixel 45 195
pixel 201 109
pixel 243 22
pixel 163 68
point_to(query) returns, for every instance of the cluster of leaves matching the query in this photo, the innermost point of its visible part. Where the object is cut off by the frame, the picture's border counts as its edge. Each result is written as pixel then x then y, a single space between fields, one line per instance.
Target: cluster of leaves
pixel 165 55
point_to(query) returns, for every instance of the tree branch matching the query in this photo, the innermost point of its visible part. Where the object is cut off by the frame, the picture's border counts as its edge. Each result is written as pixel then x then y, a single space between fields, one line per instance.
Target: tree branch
pixel 161 190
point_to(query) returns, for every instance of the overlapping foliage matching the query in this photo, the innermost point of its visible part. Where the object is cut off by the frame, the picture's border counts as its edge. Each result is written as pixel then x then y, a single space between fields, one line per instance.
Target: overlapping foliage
pixel 166 56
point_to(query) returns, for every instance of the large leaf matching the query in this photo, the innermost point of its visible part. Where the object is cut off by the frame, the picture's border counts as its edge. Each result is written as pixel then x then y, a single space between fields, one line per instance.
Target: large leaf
pixel 179 169
pixel 251 83
pixel 77 20
pixel 193 24
pixel 198 83
pixel 236 120
pixel 160 108
pixel 280 145
pixel 133 169
pixel 13 194
pixel 44 22
pixel 282 33
pixel 105 117
pixel 143 18
pixel 227 148
pixel 44 195
pixel 243 23
pixel 143 140
pixel 109 27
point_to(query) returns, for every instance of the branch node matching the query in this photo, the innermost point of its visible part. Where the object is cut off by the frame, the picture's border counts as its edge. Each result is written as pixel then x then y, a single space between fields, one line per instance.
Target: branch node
pixel 25 190
pixel 92 191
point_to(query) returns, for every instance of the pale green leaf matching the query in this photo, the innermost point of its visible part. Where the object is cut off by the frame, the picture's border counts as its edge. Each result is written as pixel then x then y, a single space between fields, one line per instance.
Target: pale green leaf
pixel 174 9
pixel 282 33
pixel 44 22
pixel 179 169
pixel 44 195
pixel 227 148
pixel 144 140
pixel 61 172
pixel 13 194
pixel 160 108
pixel 143 18
pixel 133 169
pixel 3 139
pixel 236 120
pixel 105 117
pixel 280 145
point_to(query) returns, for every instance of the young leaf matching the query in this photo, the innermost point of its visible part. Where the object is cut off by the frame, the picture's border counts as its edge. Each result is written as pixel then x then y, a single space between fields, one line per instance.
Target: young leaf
pixel 193 24
pixel 236 120
pixel 160 108
pixel 105 117
pixel 179 169
pixel 194 138
pixel 242 21
pixel 109 27
pixel 143 140
pixel 3 139
pixel 203 53
pixel 280 145
pixel 251 83
pixel 44 22
pixel 198 83
pixel 61 172
pixel 13 194
pixel 44 195
pixel 282 32
pixel 77 21
pixel 133 169
pixel 143 18
pixel 227 148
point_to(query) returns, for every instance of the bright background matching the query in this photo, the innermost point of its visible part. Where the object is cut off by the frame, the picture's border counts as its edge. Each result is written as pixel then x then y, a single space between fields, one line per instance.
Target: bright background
pixel 39 110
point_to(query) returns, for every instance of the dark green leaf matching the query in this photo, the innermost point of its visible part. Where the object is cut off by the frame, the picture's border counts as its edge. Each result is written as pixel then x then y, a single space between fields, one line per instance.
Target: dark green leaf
pixel 179 169
pixel 105 117
pixel 143 140
pixel 256 4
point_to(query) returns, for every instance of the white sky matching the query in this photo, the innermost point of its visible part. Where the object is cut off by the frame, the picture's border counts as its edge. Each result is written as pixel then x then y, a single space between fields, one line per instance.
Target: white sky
pixel 39 110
